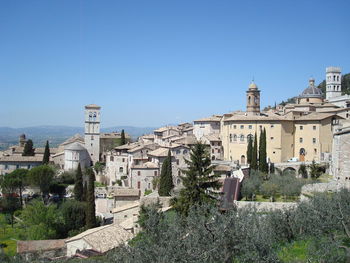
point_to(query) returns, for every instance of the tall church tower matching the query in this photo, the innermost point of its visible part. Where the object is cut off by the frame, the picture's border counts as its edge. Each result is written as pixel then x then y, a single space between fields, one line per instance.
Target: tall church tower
pixel 92 131
pixel 253 99
pixel 333 82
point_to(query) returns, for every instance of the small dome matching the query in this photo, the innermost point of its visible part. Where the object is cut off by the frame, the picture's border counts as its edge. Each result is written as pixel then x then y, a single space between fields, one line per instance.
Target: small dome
pixel 311 91
pixel 253 85
pixel 75 147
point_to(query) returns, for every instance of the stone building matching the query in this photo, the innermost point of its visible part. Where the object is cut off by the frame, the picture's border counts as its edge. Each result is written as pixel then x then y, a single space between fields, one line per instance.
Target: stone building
pixel 300 131
pixel 142 176
pixel 340 165
pixel 92 131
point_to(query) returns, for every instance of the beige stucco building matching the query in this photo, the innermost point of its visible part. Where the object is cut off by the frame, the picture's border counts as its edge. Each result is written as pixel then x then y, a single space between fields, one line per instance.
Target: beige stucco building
pixel 301 130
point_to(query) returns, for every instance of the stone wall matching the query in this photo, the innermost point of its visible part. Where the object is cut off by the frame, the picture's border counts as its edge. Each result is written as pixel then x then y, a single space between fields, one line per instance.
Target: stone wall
pixel 266 206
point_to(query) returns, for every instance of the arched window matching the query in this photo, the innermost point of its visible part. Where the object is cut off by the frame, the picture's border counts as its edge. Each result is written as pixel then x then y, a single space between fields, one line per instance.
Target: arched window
pixel 121 170
pixel 338 78
pixel 234 137
pixel 90 116
pixel 230 137
pixel 241 138
pixel 333 78
pixel 94 118
pixel 249 99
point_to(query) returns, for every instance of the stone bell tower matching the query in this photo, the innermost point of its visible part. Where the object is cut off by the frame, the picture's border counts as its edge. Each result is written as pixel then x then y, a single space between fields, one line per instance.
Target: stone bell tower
pixel 92 131
pixel 333 82
pixel 253 99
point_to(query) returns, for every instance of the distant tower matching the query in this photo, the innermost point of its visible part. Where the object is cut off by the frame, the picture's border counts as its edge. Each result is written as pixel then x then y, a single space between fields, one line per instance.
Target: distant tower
pixel 333 82
pixel 92 131
pixel 22 140
pixel 253 99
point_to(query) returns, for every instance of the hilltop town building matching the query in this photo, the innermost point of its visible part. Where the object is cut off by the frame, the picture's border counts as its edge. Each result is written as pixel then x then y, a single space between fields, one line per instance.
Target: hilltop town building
pixel 92 131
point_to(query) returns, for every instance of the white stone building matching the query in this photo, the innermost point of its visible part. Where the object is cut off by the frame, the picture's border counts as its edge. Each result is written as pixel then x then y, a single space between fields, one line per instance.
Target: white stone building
pixel 142 176
pixel 75 154
pixel 333 88
pixel 207 126
pixel 92 131
pixel 340 165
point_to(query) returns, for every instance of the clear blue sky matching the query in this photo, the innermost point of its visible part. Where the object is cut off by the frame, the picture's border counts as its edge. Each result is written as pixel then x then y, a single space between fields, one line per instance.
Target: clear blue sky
pixel 149 63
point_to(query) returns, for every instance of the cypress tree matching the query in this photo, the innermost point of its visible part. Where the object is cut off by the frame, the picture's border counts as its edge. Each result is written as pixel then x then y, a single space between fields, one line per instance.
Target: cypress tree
pixel 28 148
pixel 46 158
pixel 250 150
pixel 78 185
pixel 166 177
pixel 122 138
pixel 199 181
pixel 85 192
pixel 263 167
pixel 254 161
pixel 90 211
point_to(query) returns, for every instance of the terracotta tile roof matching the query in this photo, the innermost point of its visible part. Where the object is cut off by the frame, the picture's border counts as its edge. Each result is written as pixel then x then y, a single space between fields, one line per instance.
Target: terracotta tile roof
pixel 20 158
pixel 165 128
pixel 160 152
pixel 214 118
pixel 126 192
pixel 104 238
pixel 316 116
pixel 126 207
pixel 39 245
pixel 147 165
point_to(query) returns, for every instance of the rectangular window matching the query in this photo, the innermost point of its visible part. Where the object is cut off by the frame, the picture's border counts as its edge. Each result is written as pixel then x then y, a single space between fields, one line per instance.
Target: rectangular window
pixel 271 138
pixel 250 127
pixel 272 126
pixel 301 127
pixel 138 185
pixel 138 173
pixel 177 162
pixel 155 173
pixel 300 140
pixel 314 127
pixel 234 127
pixel 242 126
pixel 313 140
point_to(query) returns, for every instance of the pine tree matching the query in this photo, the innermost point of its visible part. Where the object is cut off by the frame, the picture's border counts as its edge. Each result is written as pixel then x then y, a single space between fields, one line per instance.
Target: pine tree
pixel 166 177
pixel 199 181
pixel 46 158
pixel 263 167
pixel 122 138
pixel 254 161
pixel 28 148
pixel 90 211
pixel 78 185
pixel 250 150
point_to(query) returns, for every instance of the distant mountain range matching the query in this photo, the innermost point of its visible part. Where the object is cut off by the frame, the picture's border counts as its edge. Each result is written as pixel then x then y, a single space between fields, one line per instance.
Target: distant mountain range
pixel 58 134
